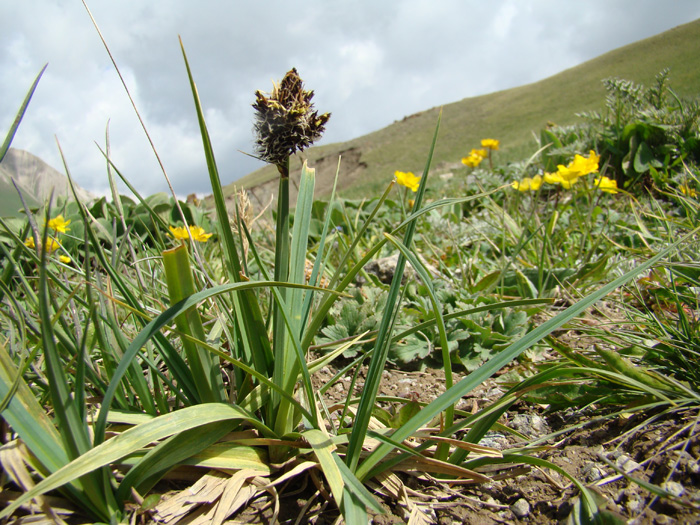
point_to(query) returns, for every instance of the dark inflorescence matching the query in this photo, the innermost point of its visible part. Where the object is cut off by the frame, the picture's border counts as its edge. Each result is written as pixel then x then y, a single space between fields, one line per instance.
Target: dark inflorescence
pixel 285 120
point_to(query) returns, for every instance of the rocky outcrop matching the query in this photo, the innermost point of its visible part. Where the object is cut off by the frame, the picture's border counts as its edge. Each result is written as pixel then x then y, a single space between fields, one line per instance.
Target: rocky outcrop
pixel 33 175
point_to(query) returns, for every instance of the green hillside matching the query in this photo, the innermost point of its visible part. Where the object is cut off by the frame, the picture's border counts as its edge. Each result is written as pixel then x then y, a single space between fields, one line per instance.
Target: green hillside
pixel 10 202
pixel 510 116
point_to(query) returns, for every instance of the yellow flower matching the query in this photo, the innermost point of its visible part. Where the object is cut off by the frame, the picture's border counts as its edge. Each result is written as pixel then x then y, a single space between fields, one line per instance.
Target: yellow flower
pixel 198 233
pixel 579 167
pixel 489 143
pixel 552 178
pixel 536 182
pixel 64 259
pixel 472 160
pixel 566 180
pixel 407 179
pixel 59 224
pixel 687 191
pixel 567 183
pixel 51 244
pixel 607 185
pixel 528 183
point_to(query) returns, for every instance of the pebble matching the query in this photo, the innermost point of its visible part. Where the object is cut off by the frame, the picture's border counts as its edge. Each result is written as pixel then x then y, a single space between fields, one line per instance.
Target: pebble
pixel 674 488
pixel 520 508
pixel 634 504
pixel 626 463
pixel 531 425
pixel 592 471
pixel 494 440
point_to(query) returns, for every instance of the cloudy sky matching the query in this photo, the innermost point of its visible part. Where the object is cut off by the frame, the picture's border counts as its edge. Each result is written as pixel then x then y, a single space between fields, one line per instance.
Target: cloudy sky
pixel 370 62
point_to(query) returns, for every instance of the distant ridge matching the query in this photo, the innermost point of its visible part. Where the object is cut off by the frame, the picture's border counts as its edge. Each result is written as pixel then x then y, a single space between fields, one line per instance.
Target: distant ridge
pixel 369 161
pixel 35 179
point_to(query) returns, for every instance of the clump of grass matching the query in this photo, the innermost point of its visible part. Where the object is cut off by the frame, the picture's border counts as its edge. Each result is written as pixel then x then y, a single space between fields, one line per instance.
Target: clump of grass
pixel 146 363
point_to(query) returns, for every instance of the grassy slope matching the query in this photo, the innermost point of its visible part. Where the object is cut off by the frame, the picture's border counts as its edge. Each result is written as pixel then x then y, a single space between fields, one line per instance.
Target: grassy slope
pixel 10 202
pixel 510 116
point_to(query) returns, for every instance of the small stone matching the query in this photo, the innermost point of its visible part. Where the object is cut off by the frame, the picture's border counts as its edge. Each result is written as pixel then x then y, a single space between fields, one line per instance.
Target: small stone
pixel 626 463
pixel 634 504
pixel 531 425
pixel 592 471
pixel 520 508
pixel 674 488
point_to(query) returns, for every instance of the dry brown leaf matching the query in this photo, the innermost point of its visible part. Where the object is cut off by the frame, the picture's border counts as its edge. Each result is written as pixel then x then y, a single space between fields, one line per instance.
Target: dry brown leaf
pixel 13 457
pixel 419 517
pixel 237 493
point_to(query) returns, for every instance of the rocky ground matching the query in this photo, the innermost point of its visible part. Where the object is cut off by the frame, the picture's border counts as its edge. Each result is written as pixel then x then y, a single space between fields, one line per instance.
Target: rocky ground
pixel 665 453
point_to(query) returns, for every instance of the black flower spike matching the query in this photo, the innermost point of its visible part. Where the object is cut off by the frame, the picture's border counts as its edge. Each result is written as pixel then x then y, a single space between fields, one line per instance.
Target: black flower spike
pixel 285 121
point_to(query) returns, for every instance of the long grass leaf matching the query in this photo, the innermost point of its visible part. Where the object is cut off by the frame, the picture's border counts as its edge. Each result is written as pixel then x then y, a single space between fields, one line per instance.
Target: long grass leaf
pixel 130 441
pixel 20 115
pixel 439 323
pixel 252 326
pixel 381 348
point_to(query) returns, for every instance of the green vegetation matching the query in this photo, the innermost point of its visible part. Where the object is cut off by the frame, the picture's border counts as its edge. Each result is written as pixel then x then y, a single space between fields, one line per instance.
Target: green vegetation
pixel 143 337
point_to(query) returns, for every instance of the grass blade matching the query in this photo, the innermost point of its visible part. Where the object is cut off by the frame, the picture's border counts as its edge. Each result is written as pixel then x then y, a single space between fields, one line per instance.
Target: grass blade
pixel 20 115
pixel 381 348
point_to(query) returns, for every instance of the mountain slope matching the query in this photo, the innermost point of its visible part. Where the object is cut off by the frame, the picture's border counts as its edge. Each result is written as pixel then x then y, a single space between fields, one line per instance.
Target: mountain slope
pixel 368 162
pixel 36 181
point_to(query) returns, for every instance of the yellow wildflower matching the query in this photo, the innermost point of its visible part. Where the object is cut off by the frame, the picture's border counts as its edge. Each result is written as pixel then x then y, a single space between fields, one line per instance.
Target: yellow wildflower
pixel 607 185
pixel 567 183
pixel 552 178
pixel 198 233
pixel 536 182
pixel 528 183
pixel 472 160
pixel 64 259
pixel 489 143
pixel 51 244
pixel 579 167
pixel 59 224
pixel 407 179
pixel 687 191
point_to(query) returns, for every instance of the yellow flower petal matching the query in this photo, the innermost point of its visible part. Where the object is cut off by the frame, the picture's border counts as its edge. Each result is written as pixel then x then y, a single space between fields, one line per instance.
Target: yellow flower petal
pixel 198 233
pixel 472 160
pixel 536 182
pixel 607 185
pixel 490 143
pixel 179 232
pixel 408 180
pixel 567 183
pixel 59 224
pixel 552 178
pixel 687 191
